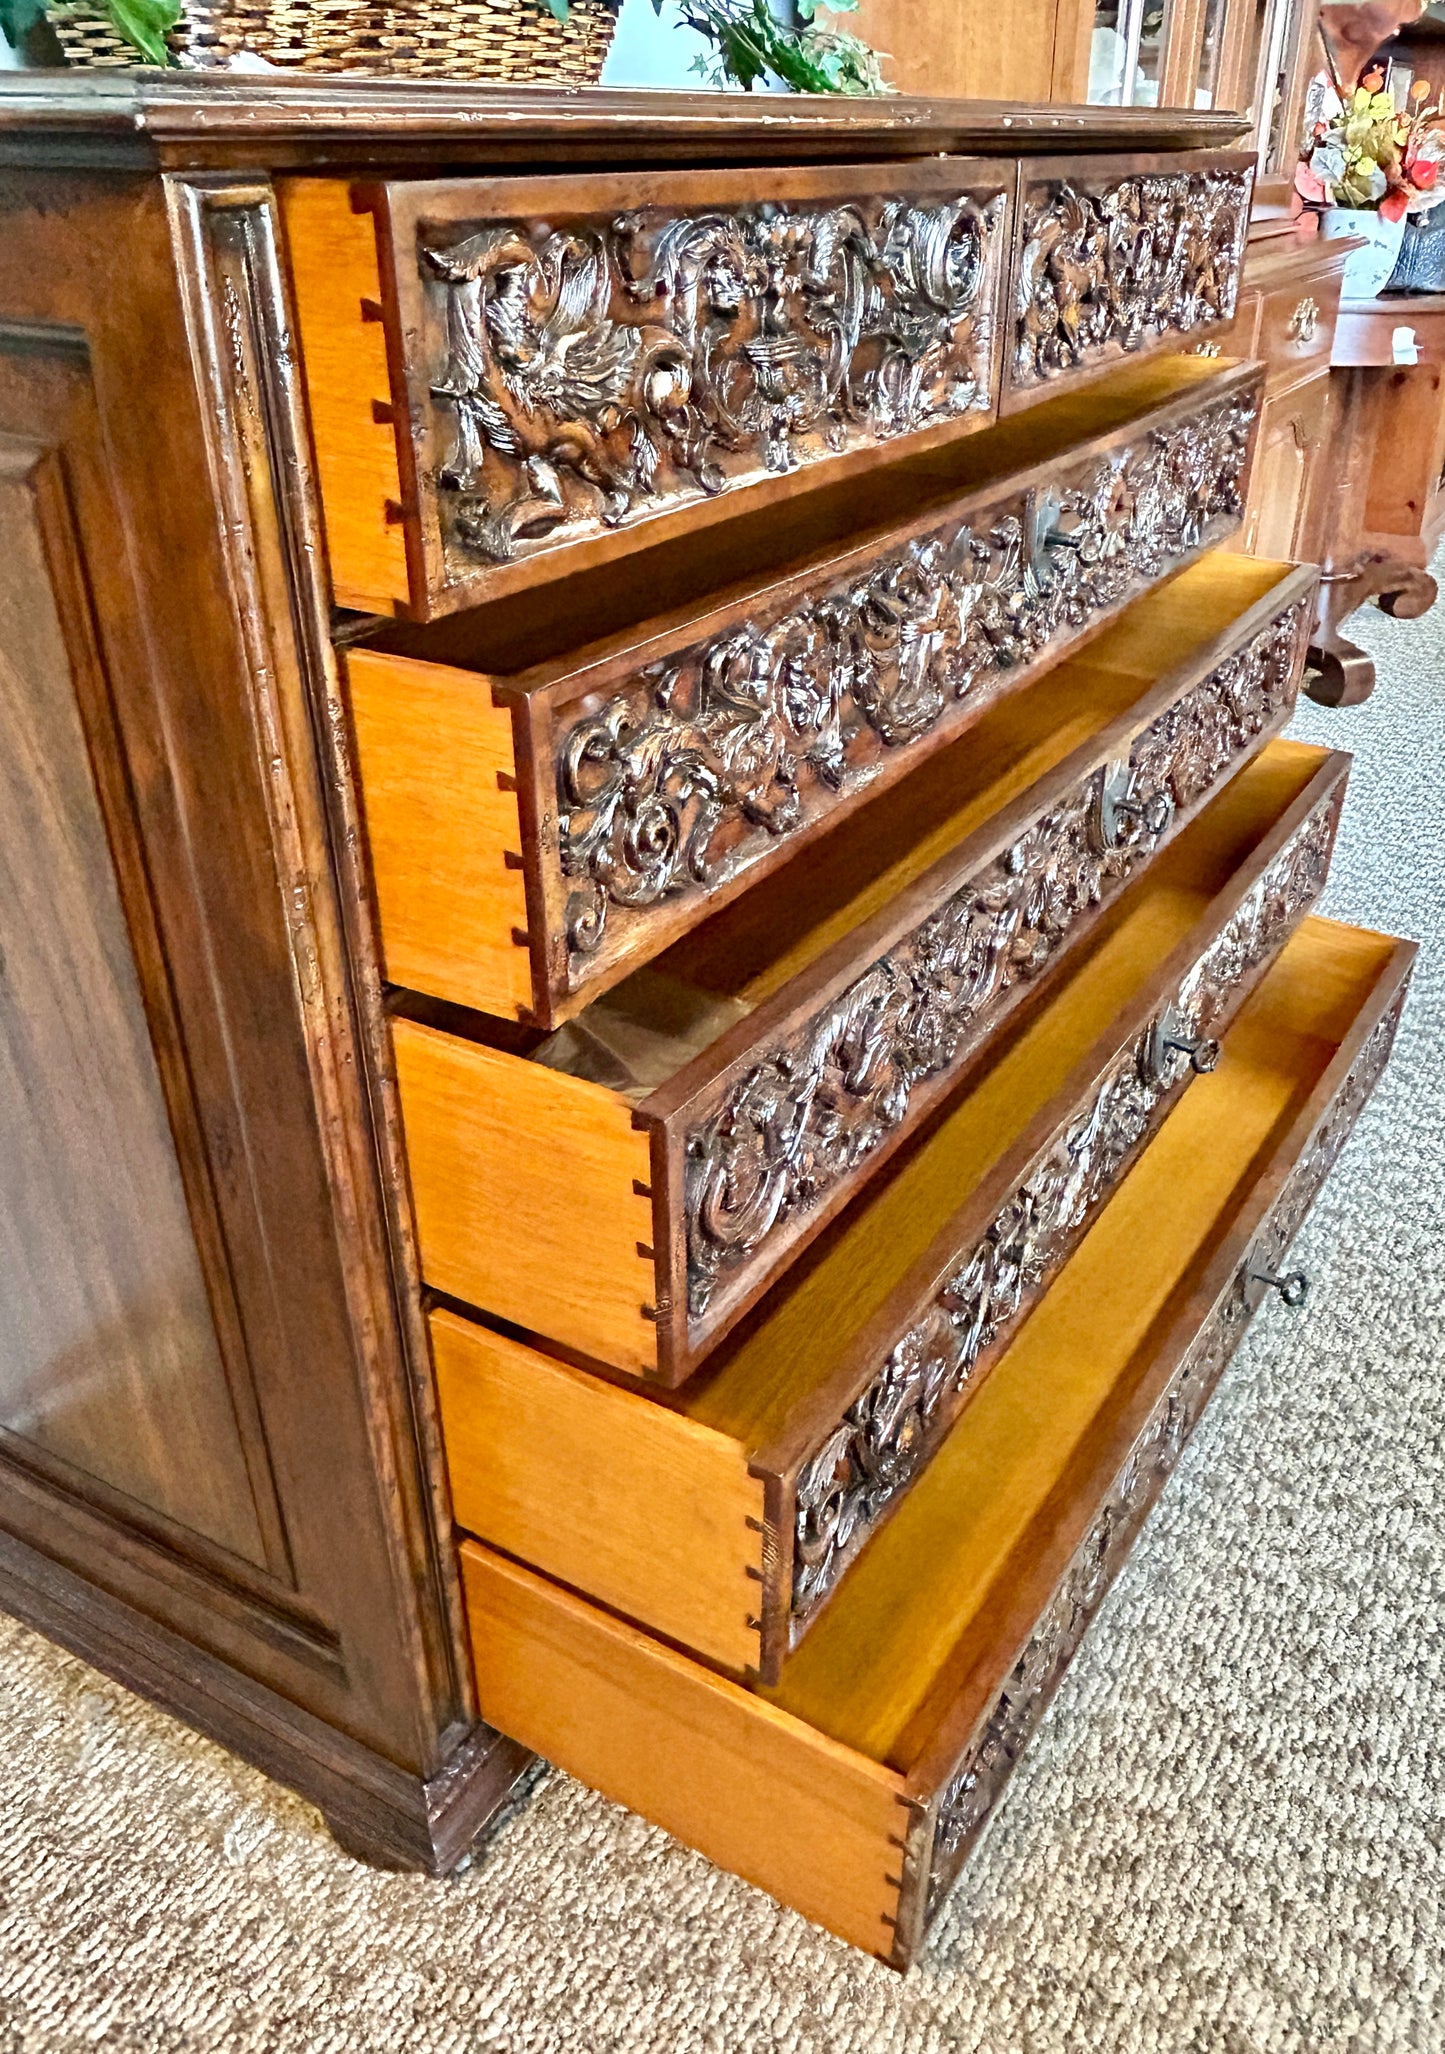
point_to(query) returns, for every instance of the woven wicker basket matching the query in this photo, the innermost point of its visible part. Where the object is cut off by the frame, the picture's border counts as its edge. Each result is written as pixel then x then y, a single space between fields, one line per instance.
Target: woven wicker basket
pixel 513 42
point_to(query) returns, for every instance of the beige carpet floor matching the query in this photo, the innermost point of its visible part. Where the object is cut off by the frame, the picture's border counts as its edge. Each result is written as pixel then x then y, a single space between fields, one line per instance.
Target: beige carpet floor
pixel 1229 1837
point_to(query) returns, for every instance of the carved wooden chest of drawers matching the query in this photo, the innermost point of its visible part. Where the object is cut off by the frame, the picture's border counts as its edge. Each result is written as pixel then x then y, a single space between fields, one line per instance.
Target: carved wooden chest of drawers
pixel 678 857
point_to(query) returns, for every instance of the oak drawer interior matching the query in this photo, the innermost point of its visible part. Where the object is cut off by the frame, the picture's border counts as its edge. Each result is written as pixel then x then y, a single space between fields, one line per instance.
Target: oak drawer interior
pixel 825 1790
pixel 685 1515
pixel 603 1104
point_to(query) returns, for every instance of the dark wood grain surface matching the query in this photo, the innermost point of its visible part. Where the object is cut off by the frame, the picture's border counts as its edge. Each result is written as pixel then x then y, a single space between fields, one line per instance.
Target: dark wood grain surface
pixel 111 1360
pixel 194 121
pixel 278 1516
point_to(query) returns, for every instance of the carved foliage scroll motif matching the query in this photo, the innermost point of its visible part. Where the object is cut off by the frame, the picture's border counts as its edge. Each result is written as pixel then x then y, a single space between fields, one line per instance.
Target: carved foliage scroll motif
pixel 681 783
pixel 613 365
pixel 981 1775
pixel 892 1429
pixel 805 1117
pixel 1115 266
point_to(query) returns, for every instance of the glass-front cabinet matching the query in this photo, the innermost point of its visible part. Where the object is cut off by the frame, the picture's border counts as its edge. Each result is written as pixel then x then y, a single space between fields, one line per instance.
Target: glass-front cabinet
pixel 1251 54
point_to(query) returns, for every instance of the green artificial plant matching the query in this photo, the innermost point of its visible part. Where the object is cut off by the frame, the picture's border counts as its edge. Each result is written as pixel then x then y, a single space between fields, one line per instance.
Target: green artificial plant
pixel 142 23
pixel 749 41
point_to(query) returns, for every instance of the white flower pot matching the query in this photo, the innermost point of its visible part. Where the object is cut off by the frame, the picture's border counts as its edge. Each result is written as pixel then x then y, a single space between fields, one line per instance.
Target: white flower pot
pixel 1366 271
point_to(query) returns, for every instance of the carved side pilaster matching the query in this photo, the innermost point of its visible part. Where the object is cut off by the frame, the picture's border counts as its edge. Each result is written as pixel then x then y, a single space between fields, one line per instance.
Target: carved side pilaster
pixel 789 1129
pixel 681 782
pixel 979 1780
pixel 1110 265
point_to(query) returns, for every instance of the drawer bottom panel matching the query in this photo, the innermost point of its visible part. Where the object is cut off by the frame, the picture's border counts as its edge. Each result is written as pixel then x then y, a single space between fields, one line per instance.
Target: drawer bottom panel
pixel 855 1787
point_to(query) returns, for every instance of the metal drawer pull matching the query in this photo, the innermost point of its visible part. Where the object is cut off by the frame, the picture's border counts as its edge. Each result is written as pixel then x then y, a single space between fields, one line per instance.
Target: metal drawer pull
pixel 1293 1286
pixel 1117 811
pixel 1173 1034
pixel 1152 814
pixel 1203 1054
pixel 1304 321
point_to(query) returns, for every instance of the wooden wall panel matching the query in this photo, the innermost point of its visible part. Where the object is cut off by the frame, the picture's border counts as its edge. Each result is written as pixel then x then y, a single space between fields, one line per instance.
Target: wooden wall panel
pixel 975 49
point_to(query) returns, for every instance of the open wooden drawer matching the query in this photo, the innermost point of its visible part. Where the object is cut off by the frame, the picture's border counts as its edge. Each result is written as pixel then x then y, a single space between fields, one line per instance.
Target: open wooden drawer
pixel 512 376
pixel 855 1788
pixel 630 1186
pixel 543 818
pixel 727 1520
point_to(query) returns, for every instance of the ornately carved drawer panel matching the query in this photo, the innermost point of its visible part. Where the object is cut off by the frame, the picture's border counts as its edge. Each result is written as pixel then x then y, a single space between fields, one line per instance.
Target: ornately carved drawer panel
pixel 729 1522
pixel 1119 256
pixel 509 377
pixel 534 837
pixel 560 362
pixel 630 1187
pixel 855 1788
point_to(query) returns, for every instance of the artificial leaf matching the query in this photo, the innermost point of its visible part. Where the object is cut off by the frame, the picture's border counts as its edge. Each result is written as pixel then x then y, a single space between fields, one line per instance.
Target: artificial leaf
pixel 1309 185
pixel 144 23
pixel 560 8
pixel 18 18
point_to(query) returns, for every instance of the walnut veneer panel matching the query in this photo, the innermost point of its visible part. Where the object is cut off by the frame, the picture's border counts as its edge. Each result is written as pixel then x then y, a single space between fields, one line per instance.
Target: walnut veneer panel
pixel 111 1361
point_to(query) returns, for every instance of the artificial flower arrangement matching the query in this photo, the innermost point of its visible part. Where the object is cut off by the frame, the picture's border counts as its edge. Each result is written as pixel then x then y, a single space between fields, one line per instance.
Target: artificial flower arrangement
pixel 1367 154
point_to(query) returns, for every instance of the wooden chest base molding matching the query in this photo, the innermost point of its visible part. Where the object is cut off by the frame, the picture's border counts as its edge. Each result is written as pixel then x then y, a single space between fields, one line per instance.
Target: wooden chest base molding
pixel 375 1810
pixel 590 810
pixel 833 1005
pixel 729 1521
pixel 855 1788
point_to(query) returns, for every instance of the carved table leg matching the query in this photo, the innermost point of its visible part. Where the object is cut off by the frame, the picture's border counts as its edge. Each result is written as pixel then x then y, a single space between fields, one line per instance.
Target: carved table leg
pixel 1339 673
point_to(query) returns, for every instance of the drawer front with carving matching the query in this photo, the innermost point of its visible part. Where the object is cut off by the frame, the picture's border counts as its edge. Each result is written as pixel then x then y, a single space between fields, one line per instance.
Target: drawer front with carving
pixel 1297 329
pixel 535 838
pixel 1119 257
pixel 688 1135
pixel 579 362
pixel 854 1788
pixel 800 1440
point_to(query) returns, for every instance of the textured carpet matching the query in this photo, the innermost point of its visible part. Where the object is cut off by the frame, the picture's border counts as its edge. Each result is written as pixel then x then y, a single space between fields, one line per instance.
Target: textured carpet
pixel 1229 1837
